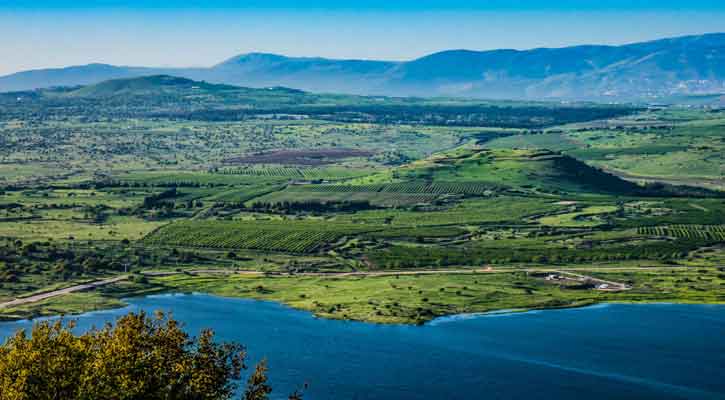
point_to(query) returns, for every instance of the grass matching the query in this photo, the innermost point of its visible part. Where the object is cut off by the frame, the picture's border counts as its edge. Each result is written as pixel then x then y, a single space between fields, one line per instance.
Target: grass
pixel 410 298
pixel 381 199
pixel 685 146
pixel 415 298
pixel 71 197
pixel 586 217
pixel 115 228
pixel 500 209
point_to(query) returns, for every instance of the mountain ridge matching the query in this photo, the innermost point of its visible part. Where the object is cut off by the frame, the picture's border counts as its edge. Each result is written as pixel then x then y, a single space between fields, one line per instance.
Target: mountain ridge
pixel 687 65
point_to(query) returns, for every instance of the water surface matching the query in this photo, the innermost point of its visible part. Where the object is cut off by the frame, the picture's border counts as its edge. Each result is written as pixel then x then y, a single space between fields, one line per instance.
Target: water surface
pixel 616 351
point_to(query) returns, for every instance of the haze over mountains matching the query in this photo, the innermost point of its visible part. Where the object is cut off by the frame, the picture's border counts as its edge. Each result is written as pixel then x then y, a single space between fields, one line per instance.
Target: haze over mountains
pixel 643 71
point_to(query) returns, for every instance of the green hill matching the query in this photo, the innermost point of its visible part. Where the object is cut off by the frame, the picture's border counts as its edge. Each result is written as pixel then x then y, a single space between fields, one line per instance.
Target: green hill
pixel 538 170
pixel 159 92
pixel 542 170
pixel 149 85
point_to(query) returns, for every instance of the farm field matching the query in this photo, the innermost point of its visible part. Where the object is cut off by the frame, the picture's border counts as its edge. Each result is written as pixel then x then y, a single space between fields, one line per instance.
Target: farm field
pixel 378 209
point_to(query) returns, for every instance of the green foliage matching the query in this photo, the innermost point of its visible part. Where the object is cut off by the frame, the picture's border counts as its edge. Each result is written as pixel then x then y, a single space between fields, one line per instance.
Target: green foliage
pixel 400 256
pixel 137 358
pixel 715 233
pixel 166 174
pixel 288 236
pixel 401 297
pixel 257 387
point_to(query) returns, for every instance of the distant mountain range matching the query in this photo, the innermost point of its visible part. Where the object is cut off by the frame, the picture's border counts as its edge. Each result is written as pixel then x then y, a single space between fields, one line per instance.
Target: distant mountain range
pixel 667 68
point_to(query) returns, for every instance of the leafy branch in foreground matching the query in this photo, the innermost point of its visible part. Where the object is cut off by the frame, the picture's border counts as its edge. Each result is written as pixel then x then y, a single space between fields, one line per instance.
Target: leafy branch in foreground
pixel 141 357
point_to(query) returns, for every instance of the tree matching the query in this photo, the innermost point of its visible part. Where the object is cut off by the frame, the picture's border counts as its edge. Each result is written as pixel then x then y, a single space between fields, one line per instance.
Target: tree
pixel 139 358
pixel 257 387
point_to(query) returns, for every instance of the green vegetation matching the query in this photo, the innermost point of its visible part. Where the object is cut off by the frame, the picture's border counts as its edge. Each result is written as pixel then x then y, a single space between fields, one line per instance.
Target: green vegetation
pixel 137 358
pixel 322 200
pixel 291 236
pixel 678 146
pixel 407 298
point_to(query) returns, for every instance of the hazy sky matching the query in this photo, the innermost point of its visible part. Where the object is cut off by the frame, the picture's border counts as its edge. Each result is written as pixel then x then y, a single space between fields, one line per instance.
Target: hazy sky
pixel 52 33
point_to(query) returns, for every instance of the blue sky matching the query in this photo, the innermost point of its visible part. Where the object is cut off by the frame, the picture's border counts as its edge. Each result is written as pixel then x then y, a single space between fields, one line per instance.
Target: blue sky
pixel 53 33
pixel 386 5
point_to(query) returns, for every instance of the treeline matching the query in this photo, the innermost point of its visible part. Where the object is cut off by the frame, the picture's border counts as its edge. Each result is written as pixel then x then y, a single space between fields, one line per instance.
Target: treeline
pixel 598 180
pixel 18 259
pixel 659 189
pixel 530 117
pixel 150 184
pixel 212 108
pixel 313 206
pixel 63 262
pixel 155 200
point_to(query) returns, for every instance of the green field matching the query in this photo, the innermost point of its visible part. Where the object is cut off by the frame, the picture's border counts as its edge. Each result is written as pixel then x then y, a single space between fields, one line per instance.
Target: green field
pixel 341 201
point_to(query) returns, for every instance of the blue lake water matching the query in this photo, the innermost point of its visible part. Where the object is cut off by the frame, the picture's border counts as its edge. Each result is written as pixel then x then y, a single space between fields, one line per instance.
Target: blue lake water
pixel 615 351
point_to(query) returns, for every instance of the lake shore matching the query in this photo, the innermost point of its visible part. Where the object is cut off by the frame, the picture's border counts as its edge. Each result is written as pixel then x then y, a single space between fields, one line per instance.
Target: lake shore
pixel 391 299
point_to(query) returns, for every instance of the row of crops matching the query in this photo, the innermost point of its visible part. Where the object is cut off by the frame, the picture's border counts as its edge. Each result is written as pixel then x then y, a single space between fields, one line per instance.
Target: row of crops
pixel 243 194
pixel 472 188
pixel 286 236
pixel 286 172
pixel 186 179
pixel 706 232
pixel 293 173
pixel 301 194
pixel 419 232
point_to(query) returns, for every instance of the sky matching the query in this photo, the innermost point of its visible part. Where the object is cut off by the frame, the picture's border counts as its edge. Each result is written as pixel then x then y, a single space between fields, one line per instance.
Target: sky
pixel 55 33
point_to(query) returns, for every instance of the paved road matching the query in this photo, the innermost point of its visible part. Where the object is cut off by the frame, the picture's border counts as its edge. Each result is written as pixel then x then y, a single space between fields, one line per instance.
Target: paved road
pixel 54 293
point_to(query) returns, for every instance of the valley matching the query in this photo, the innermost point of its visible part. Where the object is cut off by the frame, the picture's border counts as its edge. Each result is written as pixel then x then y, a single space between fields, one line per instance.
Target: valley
pixel 379 209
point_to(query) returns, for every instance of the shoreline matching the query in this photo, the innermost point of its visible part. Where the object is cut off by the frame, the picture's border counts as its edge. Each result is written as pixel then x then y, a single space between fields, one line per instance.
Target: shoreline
pixel 391 297
pixel 126 302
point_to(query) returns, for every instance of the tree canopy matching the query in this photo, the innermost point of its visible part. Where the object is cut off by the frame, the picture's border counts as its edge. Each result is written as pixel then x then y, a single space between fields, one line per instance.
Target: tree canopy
pixel 140 357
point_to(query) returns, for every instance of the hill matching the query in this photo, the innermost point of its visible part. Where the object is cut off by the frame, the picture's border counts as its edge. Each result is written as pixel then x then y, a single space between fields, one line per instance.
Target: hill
pixel 157 93
pixel 662 70
pixel 533 171
pixel 148 86
pixel 540 170
pixel 69 76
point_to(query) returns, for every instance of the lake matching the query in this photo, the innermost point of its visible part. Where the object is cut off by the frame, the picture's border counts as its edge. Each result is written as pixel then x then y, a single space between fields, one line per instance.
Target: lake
pixel 613 351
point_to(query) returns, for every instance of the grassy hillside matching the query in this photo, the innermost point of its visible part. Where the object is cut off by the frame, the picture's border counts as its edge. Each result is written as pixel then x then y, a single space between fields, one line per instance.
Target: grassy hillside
pixel 538 170
pixel 155 85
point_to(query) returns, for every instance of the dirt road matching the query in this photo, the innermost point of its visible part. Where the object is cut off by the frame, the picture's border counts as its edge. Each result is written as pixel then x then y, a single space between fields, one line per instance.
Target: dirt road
pixel 59 292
